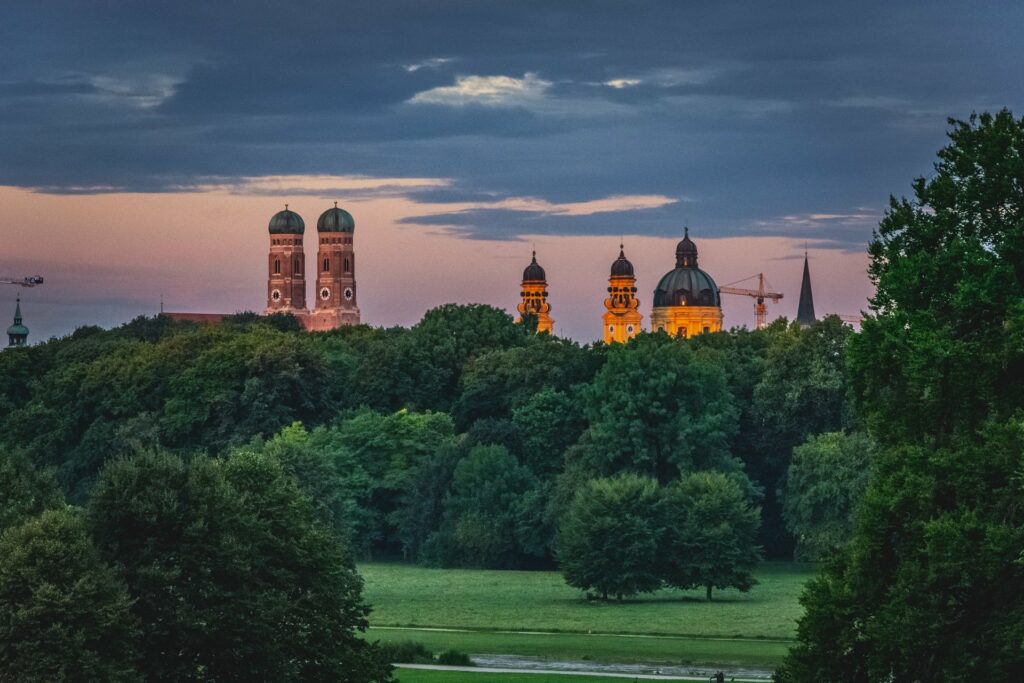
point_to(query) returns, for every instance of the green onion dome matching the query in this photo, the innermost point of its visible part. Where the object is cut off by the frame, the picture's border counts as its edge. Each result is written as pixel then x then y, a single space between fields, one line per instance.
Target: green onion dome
pixel 287 223
pixel 336 220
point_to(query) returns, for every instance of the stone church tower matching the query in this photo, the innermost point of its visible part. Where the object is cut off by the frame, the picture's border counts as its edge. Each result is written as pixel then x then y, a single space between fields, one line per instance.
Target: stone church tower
pixel 286 280
pixel 622 317
pixel 336 272
pixel 535 296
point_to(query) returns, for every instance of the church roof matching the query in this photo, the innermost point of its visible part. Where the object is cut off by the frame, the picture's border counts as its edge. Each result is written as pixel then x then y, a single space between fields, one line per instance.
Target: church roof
pixel 17 329
pixel 533 272
pixel 287 223
pixel 686 287
pixel 805 311
pixel 336 220
pixel 686 284
pixel 622 267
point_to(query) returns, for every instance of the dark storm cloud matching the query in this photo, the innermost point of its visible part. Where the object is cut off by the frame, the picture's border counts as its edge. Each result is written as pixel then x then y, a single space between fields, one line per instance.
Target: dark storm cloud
pixel 751 110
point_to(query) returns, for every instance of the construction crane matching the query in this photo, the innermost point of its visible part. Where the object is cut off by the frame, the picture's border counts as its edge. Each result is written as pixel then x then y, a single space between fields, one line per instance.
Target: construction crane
pixel 30 281
pixel 759 295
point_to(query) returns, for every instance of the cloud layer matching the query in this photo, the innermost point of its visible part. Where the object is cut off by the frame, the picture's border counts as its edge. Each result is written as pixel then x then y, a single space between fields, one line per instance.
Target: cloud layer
pixel 543 117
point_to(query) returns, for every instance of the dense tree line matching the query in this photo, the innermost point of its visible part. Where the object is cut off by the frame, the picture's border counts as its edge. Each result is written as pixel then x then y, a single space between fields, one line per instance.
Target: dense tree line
pixel 459 441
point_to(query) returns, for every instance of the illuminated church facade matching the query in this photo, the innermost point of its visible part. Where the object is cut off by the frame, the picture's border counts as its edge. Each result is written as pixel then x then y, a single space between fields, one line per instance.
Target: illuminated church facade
pixel 687 302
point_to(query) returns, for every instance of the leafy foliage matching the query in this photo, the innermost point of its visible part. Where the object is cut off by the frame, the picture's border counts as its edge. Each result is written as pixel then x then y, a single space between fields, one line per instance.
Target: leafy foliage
pixel 232 576
pixel 711 533
pixel 609 540
pixel 64 615
pixel 825 483
pixel 931 586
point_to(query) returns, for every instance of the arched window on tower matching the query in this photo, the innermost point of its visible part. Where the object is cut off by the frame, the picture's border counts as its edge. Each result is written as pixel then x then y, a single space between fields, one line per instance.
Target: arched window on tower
pixel 327 265
pixel 277 266
pixel 347 266
pixel 298 267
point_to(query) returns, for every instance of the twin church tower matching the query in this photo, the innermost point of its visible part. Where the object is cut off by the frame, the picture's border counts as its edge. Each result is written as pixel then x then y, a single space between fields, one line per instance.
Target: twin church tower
pixel 335 303
pixel 686 301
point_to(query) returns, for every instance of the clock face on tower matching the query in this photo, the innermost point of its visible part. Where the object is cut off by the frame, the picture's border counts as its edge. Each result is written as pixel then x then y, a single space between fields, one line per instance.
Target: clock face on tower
pixel 349 293
pixel 325 294
pixel 276 295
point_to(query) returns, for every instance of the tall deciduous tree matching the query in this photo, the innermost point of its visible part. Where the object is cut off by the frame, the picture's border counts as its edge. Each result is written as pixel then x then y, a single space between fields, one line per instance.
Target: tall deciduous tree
pixel 711 533
pixel 825 483
pixel 931 588
pixel 481 510
pixel 25 491
pixel 659 409
pixel 64 615
pixel 233 576
pixel 610 539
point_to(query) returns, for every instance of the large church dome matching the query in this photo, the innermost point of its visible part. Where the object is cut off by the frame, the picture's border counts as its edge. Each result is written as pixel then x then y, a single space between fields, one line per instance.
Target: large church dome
pixel 287 223
pixel 336 220
pixel 686 284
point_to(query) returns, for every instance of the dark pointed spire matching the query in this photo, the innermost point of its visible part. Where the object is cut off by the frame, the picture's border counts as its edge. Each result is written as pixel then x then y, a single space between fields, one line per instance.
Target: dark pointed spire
pixel 17 310
pixel 805 311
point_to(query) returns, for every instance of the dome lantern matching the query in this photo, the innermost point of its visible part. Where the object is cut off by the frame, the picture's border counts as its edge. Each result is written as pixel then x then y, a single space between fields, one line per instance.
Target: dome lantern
pixel 686 251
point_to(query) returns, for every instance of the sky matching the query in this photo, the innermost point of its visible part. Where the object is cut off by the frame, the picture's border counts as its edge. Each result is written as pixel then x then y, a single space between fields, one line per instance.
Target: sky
pixel 144 146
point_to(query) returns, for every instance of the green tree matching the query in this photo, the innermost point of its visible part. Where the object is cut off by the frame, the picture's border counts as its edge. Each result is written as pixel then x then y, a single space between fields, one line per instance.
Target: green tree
pixel 388 448
pixel 658 408
pixel 64 615
pixel 802 390
pixel 481 510
pixel 610 539
pixel 826 480
pixel 711 532
pixel 233 576
pixel 931 586
pixel 548 423
pixel 25 491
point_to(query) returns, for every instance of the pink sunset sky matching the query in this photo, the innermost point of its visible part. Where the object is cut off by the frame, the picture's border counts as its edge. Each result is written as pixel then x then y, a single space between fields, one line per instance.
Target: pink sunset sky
pixel 110 257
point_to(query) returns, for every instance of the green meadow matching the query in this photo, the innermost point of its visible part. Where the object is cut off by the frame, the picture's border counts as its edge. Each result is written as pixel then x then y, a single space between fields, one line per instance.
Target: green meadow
pixel 424 676
pixel 536 614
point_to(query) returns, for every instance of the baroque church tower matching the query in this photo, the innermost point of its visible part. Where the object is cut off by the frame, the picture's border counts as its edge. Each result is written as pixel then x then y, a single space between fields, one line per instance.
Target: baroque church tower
pixel 336 271
pixel 286 280
pixel 622 317
pixel 535 296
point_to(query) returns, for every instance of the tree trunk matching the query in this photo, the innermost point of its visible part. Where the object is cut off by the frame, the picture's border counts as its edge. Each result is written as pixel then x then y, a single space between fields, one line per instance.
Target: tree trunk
pixel 604 595
pixel 709 592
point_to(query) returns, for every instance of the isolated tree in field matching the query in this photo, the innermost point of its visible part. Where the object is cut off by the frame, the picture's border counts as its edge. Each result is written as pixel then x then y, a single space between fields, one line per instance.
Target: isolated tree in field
pixel 931 587
pixel 657 408
pixel 711 534
pixel 609 541
pixel 826 480
pixel 64 615
pixel 233 575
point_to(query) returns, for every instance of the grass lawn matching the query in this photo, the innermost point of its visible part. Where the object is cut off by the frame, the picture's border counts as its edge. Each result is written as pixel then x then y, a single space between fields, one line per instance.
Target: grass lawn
pixel 598 648
pixel 405 595
pixel 423 676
